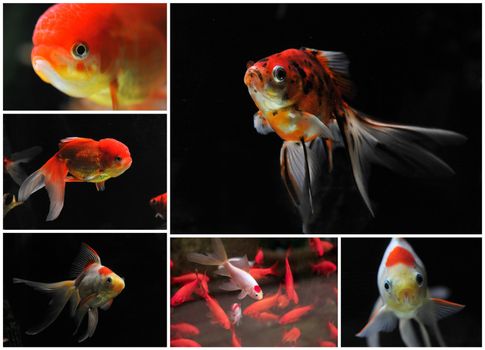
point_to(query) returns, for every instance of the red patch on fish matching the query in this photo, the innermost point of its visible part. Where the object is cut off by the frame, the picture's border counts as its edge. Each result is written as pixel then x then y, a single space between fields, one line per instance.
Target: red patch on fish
pixel 104 271
pixel 399 255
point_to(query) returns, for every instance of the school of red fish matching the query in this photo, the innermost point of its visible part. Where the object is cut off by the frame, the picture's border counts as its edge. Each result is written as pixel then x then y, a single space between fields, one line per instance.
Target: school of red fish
pixel 282 309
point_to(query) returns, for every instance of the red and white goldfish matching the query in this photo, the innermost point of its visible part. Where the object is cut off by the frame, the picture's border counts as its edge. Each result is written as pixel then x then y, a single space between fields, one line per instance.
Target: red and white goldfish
pixel 259 258
pixel 159 205
pixel 184 343
pixel 189 277
pixel 183 329
pixel 332 331
pixel 291 336
pixel 404 296
pixel 301 95
pixel 324 267
pixel 95 287
pixel 259 273
pixel 289 285
pixel 295 314
pixel 12 163
pixel 111 54
pixel 184 293
pixel 235 314
pixel 236 268
pixel 78 160
pixel 217 312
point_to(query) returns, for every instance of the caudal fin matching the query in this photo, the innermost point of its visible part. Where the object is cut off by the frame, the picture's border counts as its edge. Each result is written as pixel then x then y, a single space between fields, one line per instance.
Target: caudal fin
pixel 218 257
pixel 52 176
pixel 14 169
pixel 60 293
pixel 400 148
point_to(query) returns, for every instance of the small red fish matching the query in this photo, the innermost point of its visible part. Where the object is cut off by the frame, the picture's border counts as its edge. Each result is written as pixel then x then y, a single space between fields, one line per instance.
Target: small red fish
pixel 236 342
pixel 327 344
pixel 259 258
pixel 317 246
pixel 327 246
pixel 184 294
pixel 265 316
pixel 171 263
pixel 184 343
pixel 295 314
pixel 283 301
pixel 332 330
pixel 188 277
pixel 290 287
pixel 159 204
pixel 259 273
pixel 324 267
pixel 183 329
pixel 291 336
pixel 218 314
pixel 264 304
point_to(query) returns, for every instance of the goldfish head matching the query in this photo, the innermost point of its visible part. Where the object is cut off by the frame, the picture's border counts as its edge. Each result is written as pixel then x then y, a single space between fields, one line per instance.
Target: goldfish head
pixel 277 81
pixel 111 283
pixel 256 292
pixel 115 157
pixel 68 49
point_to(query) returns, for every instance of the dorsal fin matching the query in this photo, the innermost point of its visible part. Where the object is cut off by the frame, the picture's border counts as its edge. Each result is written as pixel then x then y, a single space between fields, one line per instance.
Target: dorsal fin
pixel 86 257
pixel 336 65
pixel 67 140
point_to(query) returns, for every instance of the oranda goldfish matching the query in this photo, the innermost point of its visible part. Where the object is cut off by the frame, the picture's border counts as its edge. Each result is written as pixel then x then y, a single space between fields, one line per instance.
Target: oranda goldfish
pixel 12 163
pixel 324 267
pixel 111 54
pixel 184 343
pixel 183 329
pixel 301 95
pixel 290 287
pixel 295 314
pixel 404 296
pixel 159 205
pixel 78 160
pixel 291 336
pixel 95 286
pixel 236 268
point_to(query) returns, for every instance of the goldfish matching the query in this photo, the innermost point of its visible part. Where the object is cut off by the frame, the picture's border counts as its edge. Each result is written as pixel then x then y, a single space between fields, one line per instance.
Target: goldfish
pixel 292 335
pixel 236 314
pixel 95 286
pixel 265 316
pixel 188 277
pixel 327 344
pixel 217 312
pixel 12 163
pixel 236 269
pixel 236 342
pixel 159 204
pixel 302 96
pixel 9 205
pixel 295 314
pixel 184 343
pixel 184 294
pixel 78 160
pixel 259 273
pixel 324 267
pixel 290 288
pixel 317 246
pixel 259 258
pixel 263 305
pixel 183 329
pixel 332 330
pixel 113 55
pixel 404 296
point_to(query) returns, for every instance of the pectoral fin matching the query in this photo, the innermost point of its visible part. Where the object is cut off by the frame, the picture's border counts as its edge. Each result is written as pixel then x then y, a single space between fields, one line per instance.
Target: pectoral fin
pixel 107 305
pixel 242 295
pixel 381 321
pixel 100 185
pixel 261 124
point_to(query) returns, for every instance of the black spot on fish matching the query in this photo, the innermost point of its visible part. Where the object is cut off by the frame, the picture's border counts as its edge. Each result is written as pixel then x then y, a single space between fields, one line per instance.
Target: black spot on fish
pixel 307 87
pixel 260 76
pixel 264 64
pixel 314 52
pixel 300 70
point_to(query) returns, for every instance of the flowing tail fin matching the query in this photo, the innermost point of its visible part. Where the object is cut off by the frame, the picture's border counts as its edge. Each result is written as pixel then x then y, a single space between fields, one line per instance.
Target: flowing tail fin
pixel 14 169
pixel 218 257
pixel 400 148
pixel 52 176
pixel 61 292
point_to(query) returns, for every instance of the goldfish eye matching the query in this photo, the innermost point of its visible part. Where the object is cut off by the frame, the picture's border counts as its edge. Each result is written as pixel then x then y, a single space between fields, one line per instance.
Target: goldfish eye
pixel 419 279
pixel 279 74
pixel 387 285
pixel 80 51
pixel 118 158
pixel 109 280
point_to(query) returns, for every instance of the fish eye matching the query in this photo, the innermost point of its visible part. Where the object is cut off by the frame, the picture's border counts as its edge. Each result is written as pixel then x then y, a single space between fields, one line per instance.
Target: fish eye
pixel 279 74
pixel 109 280
pixel 419 279
pixel 387 285
pixel 80 51
pixel 118 158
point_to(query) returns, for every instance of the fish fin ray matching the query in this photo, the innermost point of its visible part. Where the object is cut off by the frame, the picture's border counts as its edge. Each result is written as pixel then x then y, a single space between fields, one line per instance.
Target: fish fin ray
pixel 85 257
pixel 100 185
pixel 261 124
pixel 70 139
pixel 92 324
pixel 445 308
pixel 408 335
pixel 381 321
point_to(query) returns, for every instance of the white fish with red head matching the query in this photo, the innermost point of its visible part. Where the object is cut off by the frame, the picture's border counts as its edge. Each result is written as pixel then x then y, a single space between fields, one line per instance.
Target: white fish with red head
pixel 235 268
pixel 95 286
pixel 405 296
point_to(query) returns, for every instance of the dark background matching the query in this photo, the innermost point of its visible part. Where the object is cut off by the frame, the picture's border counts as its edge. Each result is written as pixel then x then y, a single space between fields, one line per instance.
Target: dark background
pixel 124 204
pixel 138 314
pixel 412 64
pixel 455 263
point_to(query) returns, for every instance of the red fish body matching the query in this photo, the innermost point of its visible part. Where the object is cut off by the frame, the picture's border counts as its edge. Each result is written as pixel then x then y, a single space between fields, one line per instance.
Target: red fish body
pixel 159 204
pixel 327 344
pixel 292 336
pixel 332 330
pixel 188 277
pixel 183 329
pixel 184 343
pixel 295 314
pixel 324 267
pixel 290 287
pixel 259 273
pixel 263 305
pixel 184 294
pixel 217 312
pixel 317 246
pixel 235 340
pixel 259 258
pixel 265 316
pixel 111 54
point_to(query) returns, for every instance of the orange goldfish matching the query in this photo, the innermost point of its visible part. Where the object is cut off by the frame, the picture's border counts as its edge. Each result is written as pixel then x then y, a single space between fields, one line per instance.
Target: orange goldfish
pixel 95 287
pixel 183 329
pixel 217 312
pixel 265 316
pixel 184 343
pixel 85 160
pixel 188 277
pixel 159 204
pixel 332 330
pixel 263 305
pixel 292 335
pixel 290 288
pixel 12 163
pixel 184 294
pixel 317 246
pixel 259 258
pixel 324 267
pixel 295 314
pixel 301 95
pixel 259 273
pixel 326 344
pixel 111 54
pixel 236 342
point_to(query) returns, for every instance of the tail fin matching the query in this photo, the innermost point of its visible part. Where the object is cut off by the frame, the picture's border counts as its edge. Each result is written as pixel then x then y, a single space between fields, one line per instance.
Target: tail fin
pixel 274 269
pixel 218 257
pixel 52 175
pixel 61 293
pixel 14 169
pixel 400 148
